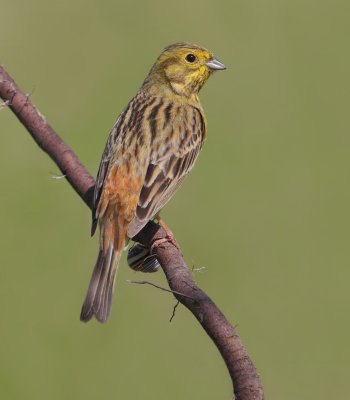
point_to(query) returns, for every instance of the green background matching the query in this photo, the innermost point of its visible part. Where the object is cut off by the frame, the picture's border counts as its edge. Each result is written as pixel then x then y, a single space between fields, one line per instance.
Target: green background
pixel 265 211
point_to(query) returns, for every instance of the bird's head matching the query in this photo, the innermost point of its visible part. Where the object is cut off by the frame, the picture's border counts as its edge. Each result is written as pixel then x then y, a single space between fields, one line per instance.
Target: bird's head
pixel 184 68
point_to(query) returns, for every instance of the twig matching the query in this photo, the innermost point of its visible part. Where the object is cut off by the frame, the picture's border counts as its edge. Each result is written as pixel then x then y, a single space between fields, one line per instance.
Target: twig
pixel 57 177
pixel 157 286
pixel 174 311
pixel 161 288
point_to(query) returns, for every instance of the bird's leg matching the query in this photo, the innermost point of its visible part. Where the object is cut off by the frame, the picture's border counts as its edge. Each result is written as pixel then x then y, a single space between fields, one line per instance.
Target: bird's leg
pixel 169 235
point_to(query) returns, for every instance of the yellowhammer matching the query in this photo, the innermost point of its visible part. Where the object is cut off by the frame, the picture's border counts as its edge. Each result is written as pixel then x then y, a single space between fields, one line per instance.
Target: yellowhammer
pixel 152 147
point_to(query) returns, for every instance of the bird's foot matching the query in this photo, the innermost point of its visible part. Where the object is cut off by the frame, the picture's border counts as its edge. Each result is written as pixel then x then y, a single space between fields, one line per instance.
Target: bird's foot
pixel 169 238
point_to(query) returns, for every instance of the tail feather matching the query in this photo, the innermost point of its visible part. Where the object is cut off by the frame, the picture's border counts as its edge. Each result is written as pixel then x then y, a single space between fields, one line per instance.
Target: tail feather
pixel 98 299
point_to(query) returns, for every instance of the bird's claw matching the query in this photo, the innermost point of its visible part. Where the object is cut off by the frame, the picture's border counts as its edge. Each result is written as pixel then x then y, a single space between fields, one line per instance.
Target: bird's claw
pixel 169 238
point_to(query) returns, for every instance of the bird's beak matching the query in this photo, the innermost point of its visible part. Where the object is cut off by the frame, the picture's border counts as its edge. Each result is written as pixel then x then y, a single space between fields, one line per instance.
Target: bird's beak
pixel 215 64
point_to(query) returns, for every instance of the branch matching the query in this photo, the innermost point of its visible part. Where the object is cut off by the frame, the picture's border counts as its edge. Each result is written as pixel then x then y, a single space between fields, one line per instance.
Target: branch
pixel 245 380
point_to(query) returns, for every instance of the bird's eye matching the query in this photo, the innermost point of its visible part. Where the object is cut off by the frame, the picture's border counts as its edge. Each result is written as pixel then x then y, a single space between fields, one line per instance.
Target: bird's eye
pixel 190 58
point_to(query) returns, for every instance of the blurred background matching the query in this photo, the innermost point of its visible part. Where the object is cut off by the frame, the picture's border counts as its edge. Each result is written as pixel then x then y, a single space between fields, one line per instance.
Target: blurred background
pixel 265 211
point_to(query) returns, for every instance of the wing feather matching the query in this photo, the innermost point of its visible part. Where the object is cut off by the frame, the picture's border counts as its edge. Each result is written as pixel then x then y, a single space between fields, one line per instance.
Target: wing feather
pixel 114 141
pixel 165 174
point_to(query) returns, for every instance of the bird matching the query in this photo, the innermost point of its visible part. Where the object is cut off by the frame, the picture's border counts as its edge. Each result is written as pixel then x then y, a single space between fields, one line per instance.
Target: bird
pixel 150 150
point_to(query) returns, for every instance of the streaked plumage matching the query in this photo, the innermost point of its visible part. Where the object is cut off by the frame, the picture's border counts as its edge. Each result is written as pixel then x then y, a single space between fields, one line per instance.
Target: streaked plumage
pixel 149 152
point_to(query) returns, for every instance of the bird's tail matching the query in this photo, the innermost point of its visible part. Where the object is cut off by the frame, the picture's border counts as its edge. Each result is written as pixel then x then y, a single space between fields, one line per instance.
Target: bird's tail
pixel 98 300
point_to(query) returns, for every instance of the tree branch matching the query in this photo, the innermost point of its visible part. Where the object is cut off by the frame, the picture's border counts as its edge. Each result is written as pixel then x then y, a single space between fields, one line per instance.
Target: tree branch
pixel 245 380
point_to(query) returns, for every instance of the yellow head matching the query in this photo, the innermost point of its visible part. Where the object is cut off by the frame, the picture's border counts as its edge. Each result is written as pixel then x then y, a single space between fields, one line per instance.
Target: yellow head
pixel 184 68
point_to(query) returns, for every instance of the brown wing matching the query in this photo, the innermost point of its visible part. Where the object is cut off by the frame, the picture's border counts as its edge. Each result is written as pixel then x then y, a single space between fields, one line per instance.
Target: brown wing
pixel 114 143
pixel 168 169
